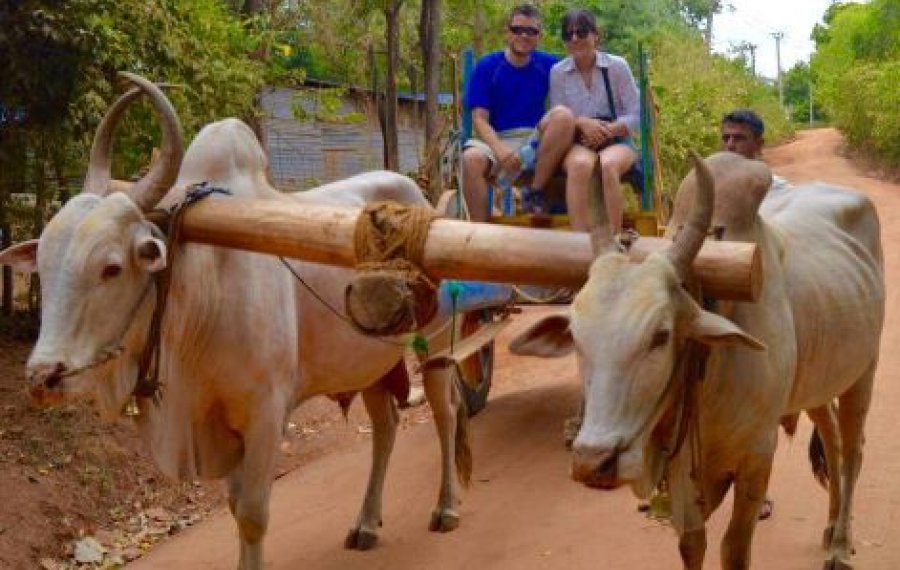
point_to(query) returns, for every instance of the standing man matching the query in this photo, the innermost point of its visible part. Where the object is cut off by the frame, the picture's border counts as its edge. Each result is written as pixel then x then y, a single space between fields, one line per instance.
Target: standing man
pixel 507 95
pixel 742 133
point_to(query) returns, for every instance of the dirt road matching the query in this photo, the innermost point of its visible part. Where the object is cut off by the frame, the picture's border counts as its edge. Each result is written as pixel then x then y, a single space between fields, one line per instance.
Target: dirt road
pixel 523 512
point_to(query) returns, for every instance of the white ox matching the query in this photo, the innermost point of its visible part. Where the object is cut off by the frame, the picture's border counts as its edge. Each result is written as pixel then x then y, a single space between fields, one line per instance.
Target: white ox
pixel 812 336
pixel 242 343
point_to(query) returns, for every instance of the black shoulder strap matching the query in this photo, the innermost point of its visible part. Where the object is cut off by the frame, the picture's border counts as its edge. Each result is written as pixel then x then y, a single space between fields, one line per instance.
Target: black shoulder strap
pixel 612 102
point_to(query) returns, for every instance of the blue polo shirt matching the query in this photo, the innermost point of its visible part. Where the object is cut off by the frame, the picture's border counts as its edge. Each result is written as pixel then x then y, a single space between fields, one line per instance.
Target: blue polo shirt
pixel 515 97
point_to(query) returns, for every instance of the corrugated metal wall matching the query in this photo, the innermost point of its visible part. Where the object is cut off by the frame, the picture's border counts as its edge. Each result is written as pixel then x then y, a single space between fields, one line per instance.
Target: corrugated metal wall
pixel 309 153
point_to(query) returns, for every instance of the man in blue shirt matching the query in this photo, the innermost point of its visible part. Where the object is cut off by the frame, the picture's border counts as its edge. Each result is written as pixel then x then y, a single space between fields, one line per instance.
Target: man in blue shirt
pixel 507 95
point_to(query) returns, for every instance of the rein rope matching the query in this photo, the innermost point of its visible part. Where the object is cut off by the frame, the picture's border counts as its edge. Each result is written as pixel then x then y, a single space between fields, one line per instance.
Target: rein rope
pixel 148 384
pixel 331 308
pixel 388 237
pixel 687 374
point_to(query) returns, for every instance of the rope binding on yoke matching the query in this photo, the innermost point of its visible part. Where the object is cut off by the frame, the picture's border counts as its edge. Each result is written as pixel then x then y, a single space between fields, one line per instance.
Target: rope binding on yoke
pixel 391 293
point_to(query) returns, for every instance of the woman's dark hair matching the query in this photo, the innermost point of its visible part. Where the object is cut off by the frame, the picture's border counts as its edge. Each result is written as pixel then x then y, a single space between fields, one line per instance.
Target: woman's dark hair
pixel 579 18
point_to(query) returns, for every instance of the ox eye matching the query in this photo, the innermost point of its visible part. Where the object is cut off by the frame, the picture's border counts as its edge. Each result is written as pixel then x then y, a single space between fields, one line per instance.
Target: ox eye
pixel 110 271
pixel 660 339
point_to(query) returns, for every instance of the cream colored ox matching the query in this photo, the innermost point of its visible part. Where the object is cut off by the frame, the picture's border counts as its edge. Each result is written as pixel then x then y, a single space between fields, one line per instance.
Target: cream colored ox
pixel 242 343
pixel 813 336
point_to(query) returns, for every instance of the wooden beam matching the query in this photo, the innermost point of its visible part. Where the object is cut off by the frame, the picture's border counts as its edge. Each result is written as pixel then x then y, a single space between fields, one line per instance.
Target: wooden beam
pixel 454 249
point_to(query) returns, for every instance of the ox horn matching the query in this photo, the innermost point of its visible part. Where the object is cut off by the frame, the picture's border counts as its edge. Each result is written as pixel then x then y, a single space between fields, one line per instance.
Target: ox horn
pixel 602 239
pixel 690 238
pixel 99 170
pixel 147 191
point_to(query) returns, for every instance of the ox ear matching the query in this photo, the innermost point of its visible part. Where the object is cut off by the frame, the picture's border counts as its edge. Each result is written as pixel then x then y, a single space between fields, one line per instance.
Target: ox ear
pixel 21 256
pixel 710 328
pixel 550 337
pixel 151 254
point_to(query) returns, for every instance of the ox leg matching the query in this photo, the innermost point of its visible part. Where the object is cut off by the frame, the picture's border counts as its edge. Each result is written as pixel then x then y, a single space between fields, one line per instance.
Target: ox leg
pixel 852 410
pixel 827 425
pixel 687 512
pixel 249 488
pixel 749 492
pixel 383 413
pixel 444 401
pixel 695 494
pixel 692 547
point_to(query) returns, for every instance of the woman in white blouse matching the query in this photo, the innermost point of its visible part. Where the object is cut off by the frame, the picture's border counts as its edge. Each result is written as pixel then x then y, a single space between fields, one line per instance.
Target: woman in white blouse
pixel 604 129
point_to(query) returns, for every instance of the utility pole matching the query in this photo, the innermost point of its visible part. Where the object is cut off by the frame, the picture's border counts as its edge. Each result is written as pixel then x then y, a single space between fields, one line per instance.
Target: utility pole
pixel 752 48
pixel 778 37
pixel 713 4
pixel 810 101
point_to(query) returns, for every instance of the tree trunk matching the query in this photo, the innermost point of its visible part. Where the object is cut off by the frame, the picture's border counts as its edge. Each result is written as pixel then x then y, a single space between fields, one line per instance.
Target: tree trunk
pixel 430 41
pixel 389 131
pixel 5 242
pixel 253 6
pixel 13 147
pixel 41 171
pixel 478 35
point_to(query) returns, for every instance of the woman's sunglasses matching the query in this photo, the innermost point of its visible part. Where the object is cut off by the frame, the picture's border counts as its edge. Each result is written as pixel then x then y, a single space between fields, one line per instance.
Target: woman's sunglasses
pixel 582 33
pixel 526 30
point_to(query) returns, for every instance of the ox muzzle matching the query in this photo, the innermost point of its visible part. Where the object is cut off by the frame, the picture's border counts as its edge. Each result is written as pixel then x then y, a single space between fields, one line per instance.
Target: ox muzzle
pixel 46 383
pixel 596 467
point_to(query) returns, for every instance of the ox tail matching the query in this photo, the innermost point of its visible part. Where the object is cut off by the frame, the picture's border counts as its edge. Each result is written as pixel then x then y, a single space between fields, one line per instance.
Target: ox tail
pixel 817 458
pixel 463 451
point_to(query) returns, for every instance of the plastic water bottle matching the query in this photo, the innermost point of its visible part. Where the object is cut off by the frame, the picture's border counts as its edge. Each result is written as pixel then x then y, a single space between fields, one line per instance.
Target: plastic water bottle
pixel 528 154
pixel 527 159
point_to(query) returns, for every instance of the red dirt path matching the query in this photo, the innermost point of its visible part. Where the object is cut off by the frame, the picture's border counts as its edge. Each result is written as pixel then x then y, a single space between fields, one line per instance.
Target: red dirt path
pixel 523 512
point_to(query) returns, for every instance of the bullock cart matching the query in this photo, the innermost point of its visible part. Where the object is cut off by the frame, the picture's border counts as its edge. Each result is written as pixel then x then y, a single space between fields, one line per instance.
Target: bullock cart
pixel 168 331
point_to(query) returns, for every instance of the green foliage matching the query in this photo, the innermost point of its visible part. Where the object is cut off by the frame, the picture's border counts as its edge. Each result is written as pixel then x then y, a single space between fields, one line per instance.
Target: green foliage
pixel 693 91
pixel 62 60
pixel 623 23
pixel 324 105
pixel 857 66
pixel 798 81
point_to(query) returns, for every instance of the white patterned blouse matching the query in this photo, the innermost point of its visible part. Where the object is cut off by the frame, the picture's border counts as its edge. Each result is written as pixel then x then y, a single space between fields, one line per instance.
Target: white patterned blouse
pixel 568 88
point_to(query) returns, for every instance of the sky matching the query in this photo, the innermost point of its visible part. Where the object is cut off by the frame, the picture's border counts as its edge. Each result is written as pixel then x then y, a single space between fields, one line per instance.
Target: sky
pixel 755 21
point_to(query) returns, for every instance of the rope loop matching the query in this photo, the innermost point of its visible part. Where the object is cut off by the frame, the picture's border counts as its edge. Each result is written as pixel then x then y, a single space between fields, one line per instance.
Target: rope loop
pixel 390 230
pixel 391 293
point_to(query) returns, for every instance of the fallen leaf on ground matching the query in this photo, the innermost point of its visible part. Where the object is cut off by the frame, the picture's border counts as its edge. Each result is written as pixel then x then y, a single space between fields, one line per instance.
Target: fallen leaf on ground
pixel 88 551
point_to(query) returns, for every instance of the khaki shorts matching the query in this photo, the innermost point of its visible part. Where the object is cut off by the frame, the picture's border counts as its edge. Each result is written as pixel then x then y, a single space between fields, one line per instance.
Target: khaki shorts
pixel 513 139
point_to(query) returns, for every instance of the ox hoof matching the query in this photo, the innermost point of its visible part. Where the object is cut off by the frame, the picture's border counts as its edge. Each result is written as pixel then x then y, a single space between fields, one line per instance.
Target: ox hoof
pixel 838 562
pixel 571 427
pixel 360 539
pixel 443 521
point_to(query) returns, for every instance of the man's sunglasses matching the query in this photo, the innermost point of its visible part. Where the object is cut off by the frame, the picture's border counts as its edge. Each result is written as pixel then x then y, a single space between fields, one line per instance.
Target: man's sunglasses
pixel 735 137
pixel 582 33
pixel 526 30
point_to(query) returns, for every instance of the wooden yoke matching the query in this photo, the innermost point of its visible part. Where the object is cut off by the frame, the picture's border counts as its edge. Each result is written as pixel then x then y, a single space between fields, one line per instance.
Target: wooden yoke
pixel 454 249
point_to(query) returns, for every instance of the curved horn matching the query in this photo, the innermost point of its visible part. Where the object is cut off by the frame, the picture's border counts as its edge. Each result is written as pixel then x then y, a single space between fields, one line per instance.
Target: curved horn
pixel 690 238
pixel 148 191
pixel 99 172
pixel 602 239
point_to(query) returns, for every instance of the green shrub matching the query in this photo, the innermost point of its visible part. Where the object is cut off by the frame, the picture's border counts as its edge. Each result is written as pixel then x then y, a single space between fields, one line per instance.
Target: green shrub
pixel 857 65
pixel 693 91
